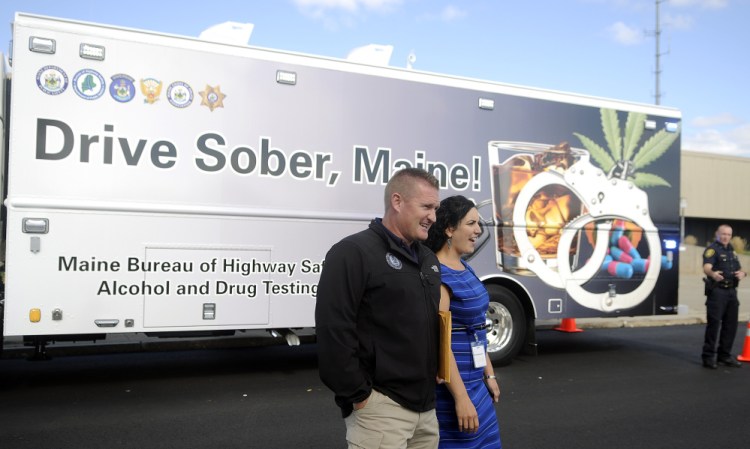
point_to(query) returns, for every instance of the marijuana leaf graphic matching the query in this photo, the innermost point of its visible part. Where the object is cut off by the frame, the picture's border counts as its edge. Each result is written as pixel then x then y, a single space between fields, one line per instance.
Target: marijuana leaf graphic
pixel 622 159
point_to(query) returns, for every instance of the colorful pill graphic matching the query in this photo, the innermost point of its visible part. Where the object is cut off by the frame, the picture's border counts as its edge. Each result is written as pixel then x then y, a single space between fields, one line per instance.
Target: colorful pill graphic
pixel 620 255
pixel 624 244
pixel 617 230
pixel 640 265
pixel 620 269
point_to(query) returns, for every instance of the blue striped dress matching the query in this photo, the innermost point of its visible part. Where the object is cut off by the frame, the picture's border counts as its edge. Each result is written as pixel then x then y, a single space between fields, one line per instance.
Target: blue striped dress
pixel 468 305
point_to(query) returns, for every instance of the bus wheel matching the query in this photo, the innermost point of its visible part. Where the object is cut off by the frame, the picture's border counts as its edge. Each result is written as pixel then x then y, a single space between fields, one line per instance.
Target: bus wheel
pixel 506 323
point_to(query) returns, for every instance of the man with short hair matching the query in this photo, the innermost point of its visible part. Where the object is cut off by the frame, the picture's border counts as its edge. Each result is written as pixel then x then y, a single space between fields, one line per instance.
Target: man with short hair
pixel 377 321
pixel 722 268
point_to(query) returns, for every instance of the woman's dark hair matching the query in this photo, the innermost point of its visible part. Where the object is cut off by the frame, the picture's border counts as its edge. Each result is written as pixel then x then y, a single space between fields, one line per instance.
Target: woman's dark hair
pixel 449 215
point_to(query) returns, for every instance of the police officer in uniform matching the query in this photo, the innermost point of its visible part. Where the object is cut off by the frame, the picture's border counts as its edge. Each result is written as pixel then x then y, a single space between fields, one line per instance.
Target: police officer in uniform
pixel 723 274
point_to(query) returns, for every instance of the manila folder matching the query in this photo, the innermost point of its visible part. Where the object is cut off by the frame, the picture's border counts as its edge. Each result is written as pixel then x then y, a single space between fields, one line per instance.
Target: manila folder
pixel 444 370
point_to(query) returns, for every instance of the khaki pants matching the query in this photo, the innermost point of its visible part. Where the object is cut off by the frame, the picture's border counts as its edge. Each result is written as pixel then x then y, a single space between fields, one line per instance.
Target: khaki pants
pixel 383 424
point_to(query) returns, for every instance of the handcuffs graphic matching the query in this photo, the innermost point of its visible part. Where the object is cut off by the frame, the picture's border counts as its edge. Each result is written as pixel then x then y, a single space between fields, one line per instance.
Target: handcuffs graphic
pixel 605 200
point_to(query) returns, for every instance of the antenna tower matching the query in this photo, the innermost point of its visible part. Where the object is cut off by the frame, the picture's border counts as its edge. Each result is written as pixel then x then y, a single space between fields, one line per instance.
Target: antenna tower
pixel 657 36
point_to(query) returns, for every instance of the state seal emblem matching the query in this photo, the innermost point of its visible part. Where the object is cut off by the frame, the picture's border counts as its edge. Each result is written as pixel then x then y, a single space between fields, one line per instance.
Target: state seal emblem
pixel 179 94
pixel 52 80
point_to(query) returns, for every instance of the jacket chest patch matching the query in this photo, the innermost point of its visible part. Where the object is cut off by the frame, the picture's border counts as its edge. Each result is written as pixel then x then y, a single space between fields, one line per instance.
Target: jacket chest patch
pixel 393 261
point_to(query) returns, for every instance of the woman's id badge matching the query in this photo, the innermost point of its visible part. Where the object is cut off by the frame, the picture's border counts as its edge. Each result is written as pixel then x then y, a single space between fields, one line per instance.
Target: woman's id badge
pixel 477 351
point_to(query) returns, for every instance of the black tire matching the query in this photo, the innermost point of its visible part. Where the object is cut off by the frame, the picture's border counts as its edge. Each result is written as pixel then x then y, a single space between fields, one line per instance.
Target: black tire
pixel 507 320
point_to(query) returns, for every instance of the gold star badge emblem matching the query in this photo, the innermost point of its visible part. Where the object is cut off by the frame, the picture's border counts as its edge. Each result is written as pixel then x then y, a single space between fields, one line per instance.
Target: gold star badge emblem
pixel 212 97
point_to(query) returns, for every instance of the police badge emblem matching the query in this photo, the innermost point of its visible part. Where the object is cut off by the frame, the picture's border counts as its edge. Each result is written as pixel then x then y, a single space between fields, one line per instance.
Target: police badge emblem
pixel 121 88
pixel 212 97
pixel 151 89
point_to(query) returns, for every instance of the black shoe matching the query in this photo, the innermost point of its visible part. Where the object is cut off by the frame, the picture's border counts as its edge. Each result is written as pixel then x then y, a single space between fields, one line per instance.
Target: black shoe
pixel 709 364
pixel 730 362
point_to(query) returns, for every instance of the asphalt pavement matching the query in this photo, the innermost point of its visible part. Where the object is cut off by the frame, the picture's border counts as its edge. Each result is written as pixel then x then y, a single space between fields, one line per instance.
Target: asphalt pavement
pixel 603 388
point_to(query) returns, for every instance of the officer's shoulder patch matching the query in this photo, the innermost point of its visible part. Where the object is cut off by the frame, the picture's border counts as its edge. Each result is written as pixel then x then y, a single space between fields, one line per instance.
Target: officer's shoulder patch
pixel 709 252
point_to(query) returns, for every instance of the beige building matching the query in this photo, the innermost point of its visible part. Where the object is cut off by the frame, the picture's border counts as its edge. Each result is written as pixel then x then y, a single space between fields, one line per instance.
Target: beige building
pixel 715 189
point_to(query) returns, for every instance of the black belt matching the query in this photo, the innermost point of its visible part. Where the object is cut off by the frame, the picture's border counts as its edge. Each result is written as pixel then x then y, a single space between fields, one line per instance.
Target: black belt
pixel 478 327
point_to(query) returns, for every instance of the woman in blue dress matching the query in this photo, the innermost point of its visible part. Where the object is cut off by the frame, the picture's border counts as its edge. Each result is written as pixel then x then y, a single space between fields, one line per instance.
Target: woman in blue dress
pixel 465 406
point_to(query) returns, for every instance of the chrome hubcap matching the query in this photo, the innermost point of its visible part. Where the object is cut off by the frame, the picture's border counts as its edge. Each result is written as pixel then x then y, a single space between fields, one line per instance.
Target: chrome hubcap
pixel 500 327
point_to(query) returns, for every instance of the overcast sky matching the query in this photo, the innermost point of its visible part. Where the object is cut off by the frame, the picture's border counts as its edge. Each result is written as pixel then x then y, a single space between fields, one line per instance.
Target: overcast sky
pixel 605 48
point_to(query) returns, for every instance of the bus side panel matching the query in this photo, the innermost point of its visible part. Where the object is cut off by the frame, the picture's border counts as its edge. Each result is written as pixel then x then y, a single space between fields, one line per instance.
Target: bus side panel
pixel 202 193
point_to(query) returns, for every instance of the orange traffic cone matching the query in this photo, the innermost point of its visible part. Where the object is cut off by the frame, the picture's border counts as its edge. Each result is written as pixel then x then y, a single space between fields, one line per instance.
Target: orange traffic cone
pixel 568 325
pixel 745 356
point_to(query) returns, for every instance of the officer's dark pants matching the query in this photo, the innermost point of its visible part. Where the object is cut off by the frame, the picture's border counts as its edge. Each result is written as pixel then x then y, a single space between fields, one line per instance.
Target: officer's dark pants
pixel 722 310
